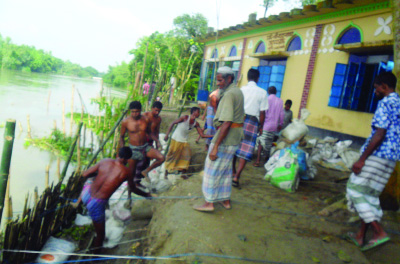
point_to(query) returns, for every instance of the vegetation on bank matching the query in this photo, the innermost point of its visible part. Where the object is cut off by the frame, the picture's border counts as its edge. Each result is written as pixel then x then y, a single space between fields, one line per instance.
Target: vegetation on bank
pixel 29 59
pixel 161 56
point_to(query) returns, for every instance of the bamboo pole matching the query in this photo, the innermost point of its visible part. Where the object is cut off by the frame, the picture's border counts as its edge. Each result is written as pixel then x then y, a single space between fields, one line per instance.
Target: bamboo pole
pixel 7 211
pixel 20 126
pixel 89 120
pixel 71 151
pixel 92 138
pixel 46 181
pixel 107 138
pixel 78 154
pixel 9 133
pixel 101 139
pixel 63 116
pixel 144 66
pixel 72 110
pixel 36 195
pixel 58 168
pixel 84 137
pixel 28 126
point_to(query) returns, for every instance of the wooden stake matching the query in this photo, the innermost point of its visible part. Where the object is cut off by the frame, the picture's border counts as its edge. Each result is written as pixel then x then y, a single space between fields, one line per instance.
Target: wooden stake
pixel 72 110
pixel 36 196
pixel 29 126
pixel 58 168
pixel 20 126
pixel 63 116
pixel 55 125
pixel 46 180
pixel 89 121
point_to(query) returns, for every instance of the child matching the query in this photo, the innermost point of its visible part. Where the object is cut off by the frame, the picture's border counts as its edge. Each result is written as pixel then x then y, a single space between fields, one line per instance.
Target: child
pixel 179 154
pixel 288 114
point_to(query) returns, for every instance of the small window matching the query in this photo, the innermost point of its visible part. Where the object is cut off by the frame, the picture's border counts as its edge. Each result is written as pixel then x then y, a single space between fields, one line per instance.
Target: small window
pixel 295 44
pixel 215 54
pixel 261 47
pixel 233 52
pixel 352 35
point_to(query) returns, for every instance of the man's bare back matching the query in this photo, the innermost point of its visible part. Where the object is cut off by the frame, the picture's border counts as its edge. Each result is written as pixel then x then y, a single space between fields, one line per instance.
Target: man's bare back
pixel 110 175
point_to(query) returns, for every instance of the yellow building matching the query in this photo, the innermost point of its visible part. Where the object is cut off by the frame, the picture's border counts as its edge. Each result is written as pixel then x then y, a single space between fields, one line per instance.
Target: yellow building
pixel 323 57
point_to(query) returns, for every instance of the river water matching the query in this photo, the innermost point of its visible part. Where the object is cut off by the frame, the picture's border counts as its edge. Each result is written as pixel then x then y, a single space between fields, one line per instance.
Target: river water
pixel 41 97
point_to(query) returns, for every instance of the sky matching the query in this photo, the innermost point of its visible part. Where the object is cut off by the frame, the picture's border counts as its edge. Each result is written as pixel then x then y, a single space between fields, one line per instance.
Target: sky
pixel 100 33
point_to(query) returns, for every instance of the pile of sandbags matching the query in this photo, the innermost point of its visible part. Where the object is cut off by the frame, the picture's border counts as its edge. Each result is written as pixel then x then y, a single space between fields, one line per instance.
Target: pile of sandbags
pixel 333 154
pixel 287 166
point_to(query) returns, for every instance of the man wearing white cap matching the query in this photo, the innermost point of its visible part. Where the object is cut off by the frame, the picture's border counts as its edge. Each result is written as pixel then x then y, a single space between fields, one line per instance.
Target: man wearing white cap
pixel 217 180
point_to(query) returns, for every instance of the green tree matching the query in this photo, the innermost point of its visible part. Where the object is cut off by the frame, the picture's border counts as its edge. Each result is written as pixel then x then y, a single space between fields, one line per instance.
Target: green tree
pixel 191 26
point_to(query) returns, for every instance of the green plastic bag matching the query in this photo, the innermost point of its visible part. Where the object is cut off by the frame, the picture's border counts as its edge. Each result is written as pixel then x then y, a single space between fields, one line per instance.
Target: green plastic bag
pixel 285 175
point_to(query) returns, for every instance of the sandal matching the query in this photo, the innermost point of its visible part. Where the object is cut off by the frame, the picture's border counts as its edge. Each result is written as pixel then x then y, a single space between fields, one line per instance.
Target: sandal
pixel 235 184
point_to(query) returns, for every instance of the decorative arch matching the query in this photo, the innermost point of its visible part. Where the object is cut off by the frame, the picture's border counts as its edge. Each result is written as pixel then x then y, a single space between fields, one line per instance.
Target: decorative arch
pixel 214 54
pixel 233 51
pixel 294 43
pixel 261 47
pixel 350 34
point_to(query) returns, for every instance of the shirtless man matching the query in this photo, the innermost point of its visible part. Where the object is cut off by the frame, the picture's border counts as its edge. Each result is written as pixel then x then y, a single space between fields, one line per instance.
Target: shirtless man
pixel 154 131
pixel 110 174
pixel 155 122
pixel 137 127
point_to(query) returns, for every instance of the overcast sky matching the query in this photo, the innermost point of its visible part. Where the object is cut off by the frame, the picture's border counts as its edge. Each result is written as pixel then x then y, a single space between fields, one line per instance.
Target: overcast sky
pixel 99 33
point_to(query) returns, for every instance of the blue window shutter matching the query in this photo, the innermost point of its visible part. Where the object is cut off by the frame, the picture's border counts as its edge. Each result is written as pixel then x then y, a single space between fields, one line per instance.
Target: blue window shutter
pixel 349 86
pixel 359 83
pixel 265 74
pixel 374 102
pixel 337 85
pixel 277 76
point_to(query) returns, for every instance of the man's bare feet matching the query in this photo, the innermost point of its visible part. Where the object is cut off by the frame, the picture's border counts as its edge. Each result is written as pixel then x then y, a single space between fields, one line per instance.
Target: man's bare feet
pixel 226 204
pixel 206 207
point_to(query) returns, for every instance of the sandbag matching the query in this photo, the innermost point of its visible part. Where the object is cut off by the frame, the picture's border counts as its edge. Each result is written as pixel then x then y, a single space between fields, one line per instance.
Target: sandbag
pixel 285 174
pixel 82 220
pixel 114 232
pixel 297 129
pixel 55 245
pixel 120 212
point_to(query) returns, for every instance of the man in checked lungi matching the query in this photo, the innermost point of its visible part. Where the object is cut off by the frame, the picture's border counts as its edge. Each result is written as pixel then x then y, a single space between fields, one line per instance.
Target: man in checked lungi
pixel 217 180
pixel 255 104
pixel 372 171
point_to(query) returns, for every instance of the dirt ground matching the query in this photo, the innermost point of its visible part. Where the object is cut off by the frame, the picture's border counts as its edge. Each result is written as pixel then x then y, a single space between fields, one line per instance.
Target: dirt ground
pixel 265 224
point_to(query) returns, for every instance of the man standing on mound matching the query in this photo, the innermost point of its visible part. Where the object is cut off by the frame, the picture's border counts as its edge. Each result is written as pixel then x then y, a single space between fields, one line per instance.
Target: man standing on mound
pixel 372 171
pixel 137 127
pixel 217 180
